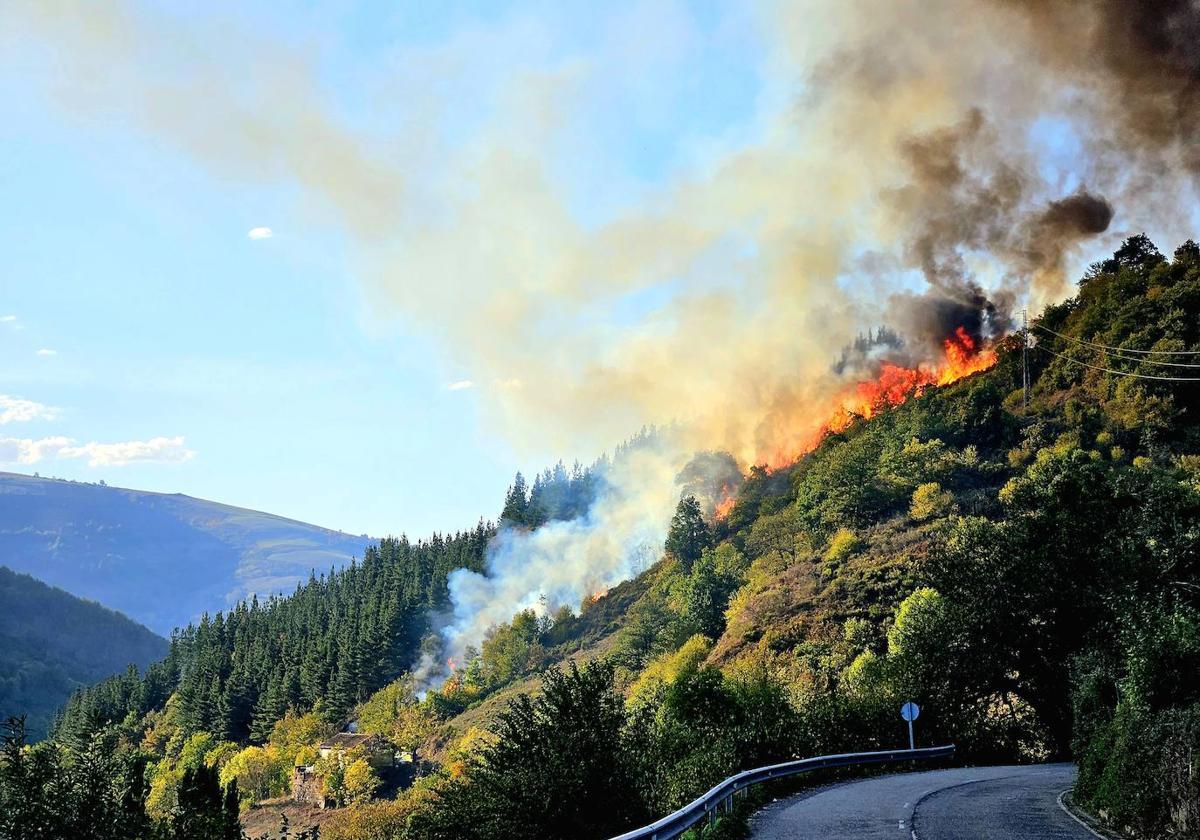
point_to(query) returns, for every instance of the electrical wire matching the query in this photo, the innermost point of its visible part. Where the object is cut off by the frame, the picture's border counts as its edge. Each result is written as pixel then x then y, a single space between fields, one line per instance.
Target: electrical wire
pixel 1120 372
pixel 1120 352
pixel 1120 349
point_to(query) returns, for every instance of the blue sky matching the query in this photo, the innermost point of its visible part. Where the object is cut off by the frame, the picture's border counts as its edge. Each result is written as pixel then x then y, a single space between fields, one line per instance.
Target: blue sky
pixel 136 309
pixel 500 233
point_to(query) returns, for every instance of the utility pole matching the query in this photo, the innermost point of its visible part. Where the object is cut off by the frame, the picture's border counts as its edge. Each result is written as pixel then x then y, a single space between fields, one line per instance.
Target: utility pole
pixel 1025 358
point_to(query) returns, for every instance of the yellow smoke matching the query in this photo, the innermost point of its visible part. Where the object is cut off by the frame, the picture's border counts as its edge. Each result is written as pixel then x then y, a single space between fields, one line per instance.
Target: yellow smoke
pixel 477 241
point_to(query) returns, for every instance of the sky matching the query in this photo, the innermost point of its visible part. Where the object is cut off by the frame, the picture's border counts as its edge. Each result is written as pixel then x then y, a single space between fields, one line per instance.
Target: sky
pixel 171 325
pixel 356 263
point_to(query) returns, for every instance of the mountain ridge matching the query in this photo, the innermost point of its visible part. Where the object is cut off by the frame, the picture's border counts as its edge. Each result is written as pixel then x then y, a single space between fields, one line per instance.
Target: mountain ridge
pixel 52 642
pixel 162 558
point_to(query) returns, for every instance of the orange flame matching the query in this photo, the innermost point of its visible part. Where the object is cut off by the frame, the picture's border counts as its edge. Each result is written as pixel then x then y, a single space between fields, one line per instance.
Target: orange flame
pixel 451 664
pixel 894 385
pixel 724 507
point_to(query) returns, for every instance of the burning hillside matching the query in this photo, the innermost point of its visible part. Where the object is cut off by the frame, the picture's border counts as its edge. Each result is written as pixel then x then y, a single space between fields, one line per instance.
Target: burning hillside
pixel 962 356
pixel 893 383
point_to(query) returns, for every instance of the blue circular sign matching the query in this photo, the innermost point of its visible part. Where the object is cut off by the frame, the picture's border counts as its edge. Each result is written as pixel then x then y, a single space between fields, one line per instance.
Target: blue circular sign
pixel 909 711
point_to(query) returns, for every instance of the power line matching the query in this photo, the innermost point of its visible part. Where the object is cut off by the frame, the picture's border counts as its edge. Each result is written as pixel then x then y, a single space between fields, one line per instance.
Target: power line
pixel 1120 352
pixel 1120 349
pixel 1121 372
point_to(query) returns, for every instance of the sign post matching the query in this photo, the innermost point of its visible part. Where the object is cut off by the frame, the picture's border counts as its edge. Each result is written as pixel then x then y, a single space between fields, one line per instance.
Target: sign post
pixel 910 711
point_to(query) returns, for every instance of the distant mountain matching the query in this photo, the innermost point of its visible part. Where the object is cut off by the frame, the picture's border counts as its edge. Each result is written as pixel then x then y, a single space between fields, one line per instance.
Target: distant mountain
pixel 51 643
pixel 162 559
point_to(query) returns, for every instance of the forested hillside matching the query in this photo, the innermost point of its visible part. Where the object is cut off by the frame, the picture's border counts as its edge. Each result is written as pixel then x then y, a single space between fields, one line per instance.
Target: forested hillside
pixel 1026 566
pixel 52 643
pixel 162 559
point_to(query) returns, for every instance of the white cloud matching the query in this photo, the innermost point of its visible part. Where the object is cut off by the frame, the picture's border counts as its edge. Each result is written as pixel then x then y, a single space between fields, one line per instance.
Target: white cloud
pixel 260 233
pixel 17 410
pixel 460 385
pixel 8 319
pixel 159 450
pixel 30 451
pixel 46 351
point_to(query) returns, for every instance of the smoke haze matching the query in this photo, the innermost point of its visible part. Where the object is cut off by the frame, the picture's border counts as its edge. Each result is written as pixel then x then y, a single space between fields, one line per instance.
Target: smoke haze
pixel 904 165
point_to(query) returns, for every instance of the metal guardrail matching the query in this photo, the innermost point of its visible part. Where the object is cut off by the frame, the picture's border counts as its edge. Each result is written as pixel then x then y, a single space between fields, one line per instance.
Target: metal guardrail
pixel 721 797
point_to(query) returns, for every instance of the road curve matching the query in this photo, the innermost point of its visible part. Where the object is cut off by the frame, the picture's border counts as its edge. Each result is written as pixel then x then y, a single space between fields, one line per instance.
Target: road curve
pixel 968 803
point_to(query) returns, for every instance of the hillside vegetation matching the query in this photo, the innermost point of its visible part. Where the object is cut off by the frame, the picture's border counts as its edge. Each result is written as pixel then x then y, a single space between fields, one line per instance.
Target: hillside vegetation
pixel 52 643
pixel 1029 574
pixel 162 559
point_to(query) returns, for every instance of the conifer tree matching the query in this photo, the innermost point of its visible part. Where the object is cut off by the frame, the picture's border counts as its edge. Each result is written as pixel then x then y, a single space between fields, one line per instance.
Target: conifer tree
pixel 688 535
pixel 516 503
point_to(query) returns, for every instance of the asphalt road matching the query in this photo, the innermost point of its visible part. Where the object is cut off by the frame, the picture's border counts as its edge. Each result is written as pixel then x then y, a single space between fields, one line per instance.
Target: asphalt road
pixel 971 803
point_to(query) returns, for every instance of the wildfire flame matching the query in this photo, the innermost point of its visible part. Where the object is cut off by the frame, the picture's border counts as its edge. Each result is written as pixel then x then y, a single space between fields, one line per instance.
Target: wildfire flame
pixel 723 507
pixel 451 664
pixel 962 356
pixel 728 497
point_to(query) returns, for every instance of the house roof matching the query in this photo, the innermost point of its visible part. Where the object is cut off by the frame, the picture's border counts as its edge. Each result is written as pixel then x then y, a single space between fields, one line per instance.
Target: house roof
pixel 350 740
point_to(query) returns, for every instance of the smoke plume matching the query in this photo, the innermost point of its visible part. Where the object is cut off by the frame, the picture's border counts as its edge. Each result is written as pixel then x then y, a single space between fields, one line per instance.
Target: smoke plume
pixel 926 164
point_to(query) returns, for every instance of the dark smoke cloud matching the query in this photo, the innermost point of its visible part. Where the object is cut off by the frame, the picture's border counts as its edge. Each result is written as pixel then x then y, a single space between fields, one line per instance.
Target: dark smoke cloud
pixel 966 193
pixel 1142 56
pixel 1124 73
pixel 1063 224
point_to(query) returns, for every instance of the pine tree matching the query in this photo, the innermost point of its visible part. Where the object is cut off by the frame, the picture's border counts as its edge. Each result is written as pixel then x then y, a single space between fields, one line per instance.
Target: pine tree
pixel 688 535
pixel 516 503
pixel 270 708
pixel 202 812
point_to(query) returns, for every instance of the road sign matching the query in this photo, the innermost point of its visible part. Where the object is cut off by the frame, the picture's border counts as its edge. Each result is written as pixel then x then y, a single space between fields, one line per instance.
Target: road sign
pixel 910 711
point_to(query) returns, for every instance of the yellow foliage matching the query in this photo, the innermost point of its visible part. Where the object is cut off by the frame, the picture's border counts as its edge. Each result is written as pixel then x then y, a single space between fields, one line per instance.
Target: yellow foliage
pixel 381 712
pixel 841 545
pixel 164 792
pixel 385 820
pixel 921 607
pixel 930 501
pixel 162 728
pixel 863 673
pixel 194 750
pixel 292 732
pixel 666 668
pixel 261 772
pixel 470 741
pixel 360 781
pixel 220 754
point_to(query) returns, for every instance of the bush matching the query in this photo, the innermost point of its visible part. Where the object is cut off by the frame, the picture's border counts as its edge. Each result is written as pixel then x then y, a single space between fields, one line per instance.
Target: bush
pixel 386 820
pixel 930 501
pixel 360 781
pixel 1139 772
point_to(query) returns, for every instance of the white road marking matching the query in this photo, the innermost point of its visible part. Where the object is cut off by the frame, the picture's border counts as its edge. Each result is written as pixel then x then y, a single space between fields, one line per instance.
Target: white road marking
pixel 1067 811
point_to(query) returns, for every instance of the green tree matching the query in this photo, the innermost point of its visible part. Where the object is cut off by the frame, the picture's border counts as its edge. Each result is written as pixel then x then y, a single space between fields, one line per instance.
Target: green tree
pixel 360 781
pixel 516 503
pixel 205 812
pixel 688 535
pixel 562 765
